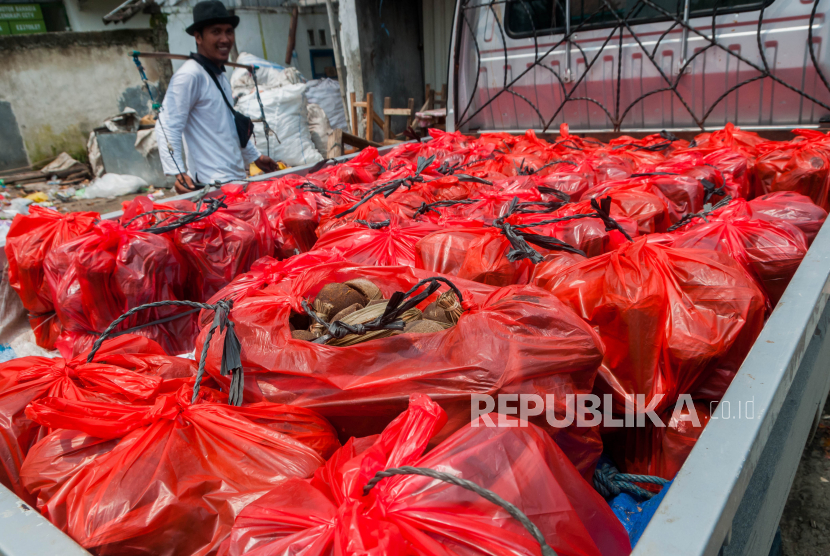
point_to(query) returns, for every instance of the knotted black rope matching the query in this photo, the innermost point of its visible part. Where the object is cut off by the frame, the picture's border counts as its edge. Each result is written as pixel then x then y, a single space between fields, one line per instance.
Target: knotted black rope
pixel 320 165
pixel 520 240
pixel 188 217
pixel 310 187
pixel 156 211
pixel 649 174
pixel 449 170
pixel 609 482
pixel 548 206
pixel 231 350
pixel 669 139
pixel 553 191
pixel 430 207
pixel 703 214
pixel 397 305
pixel 374 225
pixel 472 487
pixel 711 190
pixel 387 188
pixel 529 171
pixel 602 209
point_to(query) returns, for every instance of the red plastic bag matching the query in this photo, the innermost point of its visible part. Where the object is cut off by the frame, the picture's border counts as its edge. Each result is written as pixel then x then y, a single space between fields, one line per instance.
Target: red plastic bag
pixel 178 474
pixel 330 516
pixel 477 254
pixel 46 328
pixel 31 237
pixel 218 248
pixel 636 200
pixel 99 276
pixel 801 165
pixel 294 223
pixel 769 251
pixel 509 340
pixel 731 137
pixel 664 315
pixel 268 270
pixel 792 207
pixel 127 369
pixel 658 451
pixel 376 244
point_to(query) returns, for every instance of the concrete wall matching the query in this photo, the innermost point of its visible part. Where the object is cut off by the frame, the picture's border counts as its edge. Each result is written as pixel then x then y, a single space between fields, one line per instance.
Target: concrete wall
pixel 60 86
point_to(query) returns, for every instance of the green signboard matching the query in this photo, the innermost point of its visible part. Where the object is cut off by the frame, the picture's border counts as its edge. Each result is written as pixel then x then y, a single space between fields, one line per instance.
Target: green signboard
pixel 20 12
pixel 27 27
pixel 4 28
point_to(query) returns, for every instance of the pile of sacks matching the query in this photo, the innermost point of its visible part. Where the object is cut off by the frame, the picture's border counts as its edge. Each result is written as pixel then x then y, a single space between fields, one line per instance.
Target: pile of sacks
pixel 300 114
pixel 375 302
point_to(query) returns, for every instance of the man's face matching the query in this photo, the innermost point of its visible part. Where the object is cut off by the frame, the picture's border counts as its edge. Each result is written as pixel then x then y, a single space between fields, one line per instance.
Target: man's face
pixel 215 42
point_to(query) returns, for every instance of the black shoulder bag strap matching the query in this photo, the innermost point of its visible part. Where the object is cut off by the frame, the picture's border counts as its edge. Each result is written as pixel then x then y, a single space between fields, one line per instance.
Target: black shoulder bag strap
pixel 244 124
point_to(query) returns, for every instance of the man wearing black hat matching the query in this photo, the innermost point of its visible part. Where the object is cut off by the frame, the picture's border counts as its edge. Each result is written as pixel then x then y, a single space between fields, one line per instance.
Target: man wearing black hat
pixel 197 117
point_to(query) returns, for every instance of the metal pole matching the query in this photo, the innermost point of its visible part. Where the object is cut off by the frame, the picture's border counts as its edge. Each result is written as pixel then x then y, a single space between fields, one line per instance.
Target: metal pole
pixel 341 76
pixel 568 77
pixel 684 37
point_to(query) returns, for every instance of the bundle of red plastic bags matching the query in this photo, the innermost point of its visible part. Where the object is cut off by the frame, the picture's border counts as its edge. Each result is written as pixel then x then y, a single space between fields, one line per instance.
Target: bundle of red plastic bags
pixel 31 237
pixel 511 340
pixel 639 268
pixel 128 370
pixel 673 321
pixel 333 515
pixel 169 477
pixel 99 276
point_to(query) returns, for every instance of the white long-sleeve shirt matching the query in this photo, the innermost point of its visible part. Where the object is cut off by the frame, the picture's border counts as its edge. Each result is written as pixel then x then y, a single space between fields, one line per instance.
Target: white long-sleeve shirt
pixel 193 108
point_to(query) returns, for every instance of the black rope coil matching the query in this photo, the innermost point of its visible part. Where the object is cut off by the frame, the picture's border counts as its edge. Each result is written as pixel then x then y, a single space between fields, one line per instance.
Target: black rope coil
pixel 231 350
pixel 488 495
pixel 397 305
pixel 609 482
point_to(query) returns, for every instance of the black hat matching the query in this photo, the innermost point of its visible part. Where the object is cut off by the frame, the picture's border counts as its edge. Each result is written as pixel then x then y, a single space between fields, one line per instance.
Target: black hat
pixel 210 12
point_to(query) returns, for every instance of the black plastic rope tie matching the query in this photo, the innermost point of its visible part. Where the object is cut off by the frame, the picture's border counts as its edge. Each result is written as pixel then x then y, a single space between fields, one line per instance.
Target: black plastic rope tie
pixel 231 350
pixel 703 214
pixel 339 329
pixel 488 495
pixel 711 190
pixel 374 225
pixel 189 217
pixel 520 240
pixel 397 305
pixel 609 482
pixel 387 188
pixel 430 207
pixel 603 209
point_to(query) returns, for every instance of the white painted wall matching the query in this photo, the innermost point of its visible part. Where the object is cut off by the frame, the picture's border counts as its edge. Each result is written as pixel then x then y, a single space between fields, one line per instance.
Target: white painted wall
pixel 86 15
pixel 263 34
pixel 438 17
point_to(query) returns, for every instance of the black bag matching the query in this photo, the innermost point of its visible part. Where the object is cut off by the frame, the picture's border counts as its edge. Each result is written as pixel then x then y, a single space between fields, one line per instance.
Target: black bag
pixel 244 124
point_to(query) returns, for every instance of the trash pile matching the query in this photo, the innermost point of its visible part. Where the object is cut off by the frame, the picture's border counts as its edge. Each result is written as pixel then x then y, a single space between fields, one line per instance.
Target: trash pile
pixel 388 350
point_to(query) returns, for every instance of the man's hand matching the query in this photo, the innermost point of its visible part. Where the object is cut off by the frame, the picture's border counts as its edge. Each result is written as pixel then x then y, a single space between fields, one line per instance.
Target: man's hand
pixel 266 164
pixel 184 184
